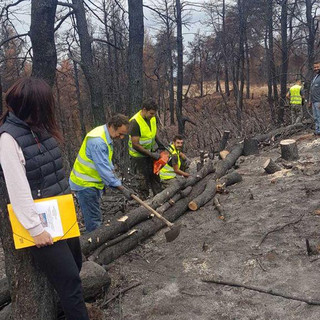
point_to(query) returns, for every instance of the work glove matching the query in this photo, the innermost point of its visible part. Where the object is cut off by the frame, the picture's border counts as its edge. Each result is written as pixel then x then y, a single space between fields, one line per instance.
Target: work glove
pixel 155 155
pixel 127 192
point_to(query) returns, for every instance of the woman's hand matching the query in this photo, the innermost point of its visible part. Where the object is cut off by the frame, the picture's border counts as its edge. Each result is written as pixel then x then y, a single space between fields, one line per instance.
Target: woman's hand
pixel 43 239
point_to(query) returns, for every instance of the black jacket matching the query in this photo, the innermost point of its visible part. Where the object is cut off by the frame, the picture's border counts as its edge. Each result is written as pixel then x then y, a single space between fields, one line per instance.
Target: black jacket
pixel 44 168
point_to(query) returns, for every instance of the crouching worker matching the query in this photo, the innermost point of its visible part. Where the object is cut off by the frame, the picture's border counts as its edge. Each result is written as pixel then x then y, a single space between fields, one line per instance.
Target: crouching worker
pixel 93 169
pixel 177 164
pixel 31 162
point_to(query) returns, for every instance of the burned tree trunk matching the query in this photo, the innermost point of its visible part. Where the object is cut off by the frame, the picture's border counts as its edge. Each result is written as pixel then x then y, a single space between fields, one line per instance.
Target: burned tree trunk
pixel 250 146
pixel 44 59
pixel 135 55
pixel 87 63
pixel 31 293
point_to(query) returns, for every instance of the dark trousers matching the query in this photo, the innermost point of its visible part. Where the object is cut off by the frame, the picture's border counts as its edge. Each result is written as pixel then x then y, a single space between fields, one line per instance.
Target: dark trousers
pixel 144 167
pixel 61 262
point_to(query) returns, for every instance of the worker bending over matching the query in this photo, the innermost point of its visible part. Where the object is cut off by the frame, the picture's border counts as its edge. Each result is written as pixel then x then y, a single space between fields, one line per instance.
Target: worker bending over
pixel 177 163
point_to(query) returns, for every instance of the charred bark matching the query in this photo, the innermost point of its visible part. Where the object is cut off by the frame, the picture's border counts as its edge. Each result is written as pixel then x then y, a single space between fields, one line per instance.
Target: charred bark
pixel 44 59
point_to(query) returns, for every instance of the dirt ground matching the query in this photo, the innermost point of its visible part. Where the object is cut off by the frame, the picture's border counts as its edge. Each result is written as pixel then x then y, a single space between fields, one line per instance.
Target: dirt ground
pixel 171 274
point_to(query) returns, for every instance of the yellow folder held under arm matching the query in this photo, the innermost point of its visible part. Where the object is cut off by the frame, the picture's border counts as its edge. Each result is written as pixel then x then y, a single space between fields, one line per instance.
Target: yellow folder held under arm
pixel 57 215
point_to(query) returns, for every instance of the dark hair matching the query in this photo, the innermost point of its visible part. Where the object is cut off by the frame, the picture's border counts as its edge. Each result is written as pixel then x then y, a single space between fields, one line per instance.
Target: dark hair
pixel 317 62
pixel 178 137
pixel 118 120
pixel 31 100
pixel 149 105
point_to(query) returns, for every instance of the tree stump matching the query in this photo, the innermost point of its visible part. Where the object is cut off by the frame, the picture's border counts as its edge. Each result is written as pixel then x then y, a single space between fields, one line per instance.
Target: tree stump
pixel 250 146
pixel 289 149
pixel 224 140
pixel 271 167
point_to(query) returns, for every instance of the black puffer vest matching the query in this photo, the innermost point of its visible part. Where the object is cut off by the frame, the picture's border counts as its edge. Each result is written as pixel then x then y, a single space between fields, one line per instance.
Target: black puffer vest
pixel 44 169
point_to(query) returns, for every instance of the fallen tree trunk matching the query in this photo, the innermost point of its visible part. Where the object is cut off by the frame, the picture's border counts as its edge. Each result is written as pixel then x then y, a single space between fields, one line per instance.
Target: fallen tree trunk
pixel 283 132
pixel 92 240
pixel 148 228
pixel 211 188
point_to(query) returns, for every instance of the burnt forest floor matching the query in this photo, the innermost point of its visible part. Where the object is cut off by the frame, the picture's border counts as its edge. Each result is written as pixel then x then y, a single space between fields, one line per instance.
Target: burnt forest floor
pixel 170 274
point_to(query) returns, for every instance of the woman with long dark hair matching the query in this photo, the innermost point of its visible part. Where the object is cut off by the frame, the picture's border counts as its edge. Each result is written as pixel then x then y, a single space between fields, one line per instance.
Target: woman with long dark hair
pixel 31 162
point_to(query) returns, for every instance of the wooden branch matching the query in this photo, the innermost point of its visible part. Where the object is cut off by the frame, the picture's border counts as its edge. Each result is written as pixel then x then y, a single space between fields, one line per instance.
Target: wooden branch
pixel 121 291
pixel 14 37
pixel 263 290
pixel 219 207
pixel 107 42
pixel 63 19
pixel 279 229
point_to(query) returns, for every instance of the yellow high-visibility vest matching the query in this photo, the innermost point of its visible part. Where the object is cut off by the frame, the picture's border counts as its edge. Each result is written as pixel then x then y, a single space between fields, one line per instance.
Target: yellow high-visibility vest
pixel 84 172
pixel 148 135
pixel 295 96
pixel 167 172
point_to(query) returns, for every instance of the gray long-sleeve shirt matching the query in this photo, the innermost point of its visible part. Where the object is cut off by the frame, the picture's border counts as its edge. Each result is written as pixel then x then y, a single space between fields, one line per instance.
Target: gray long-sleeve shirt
pixel 315 89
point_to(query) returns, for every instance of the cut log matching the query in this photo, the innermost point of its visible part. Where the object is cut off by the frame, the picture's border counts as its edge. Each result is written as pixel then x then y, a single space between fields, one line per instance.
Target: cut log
pixel 211 189
pixel 219 208
pixel 223 154
pixel 224 140
pixel 289 149
pixel 271 167
pixel 250 146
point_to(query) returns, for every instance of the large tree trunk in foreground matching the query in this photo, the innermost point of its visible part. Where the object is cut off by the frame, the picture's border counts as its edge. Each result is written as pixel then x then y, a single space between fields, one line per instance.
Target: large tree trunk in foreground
pixel 32 295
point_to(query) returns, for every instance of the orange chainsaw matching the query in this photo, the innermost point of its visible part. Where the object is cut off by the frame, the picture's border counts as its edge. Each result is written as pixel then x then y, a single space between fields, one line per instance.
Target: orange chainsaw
pixel 162 161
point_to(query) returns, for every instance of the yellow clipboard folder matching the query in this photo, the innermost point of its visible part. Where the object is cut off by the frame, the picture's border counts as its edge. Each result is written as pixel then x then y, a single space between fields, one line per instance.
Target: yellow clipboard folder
pixel 58 211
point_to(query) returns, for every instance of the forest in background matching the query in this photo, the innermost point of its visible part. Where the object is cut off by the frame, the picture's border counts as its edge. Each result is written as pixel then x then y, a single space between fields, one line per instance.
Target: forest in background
pixel 100 59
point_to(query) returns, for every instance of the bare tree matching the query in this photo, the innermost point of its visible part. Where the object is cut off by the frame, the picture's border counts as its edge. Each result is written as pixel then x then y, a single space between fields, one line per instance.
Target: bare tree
pixel 135 54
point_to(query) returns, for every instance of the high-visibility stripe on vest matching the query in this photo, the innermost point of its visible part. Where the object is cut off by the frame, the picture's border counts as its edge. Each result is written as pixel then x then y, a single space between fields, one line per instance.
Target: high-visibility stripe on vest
pixel 147 135
pixel 167 172
pixel 295 96
pixel 84 172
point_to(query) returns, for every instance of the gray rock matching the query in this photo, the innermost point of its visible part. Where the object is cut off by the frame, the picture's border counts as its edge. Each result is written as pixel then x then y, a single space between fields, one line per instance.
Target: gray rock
pixel 94 278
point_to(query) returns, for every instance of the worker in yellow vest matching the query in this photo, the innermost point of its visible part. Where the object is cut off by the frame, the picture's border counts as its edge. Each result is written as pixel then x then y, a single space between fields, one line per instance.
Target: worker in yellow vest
pixel 93 169
pixel 142 142
pixel 295 94
pixel 176 163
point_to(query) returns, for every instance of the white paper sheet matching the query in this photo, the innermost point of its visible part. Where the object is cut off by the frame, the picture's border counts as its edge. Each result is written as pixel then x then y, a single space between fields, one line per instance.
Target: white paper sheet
pixel 50 217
